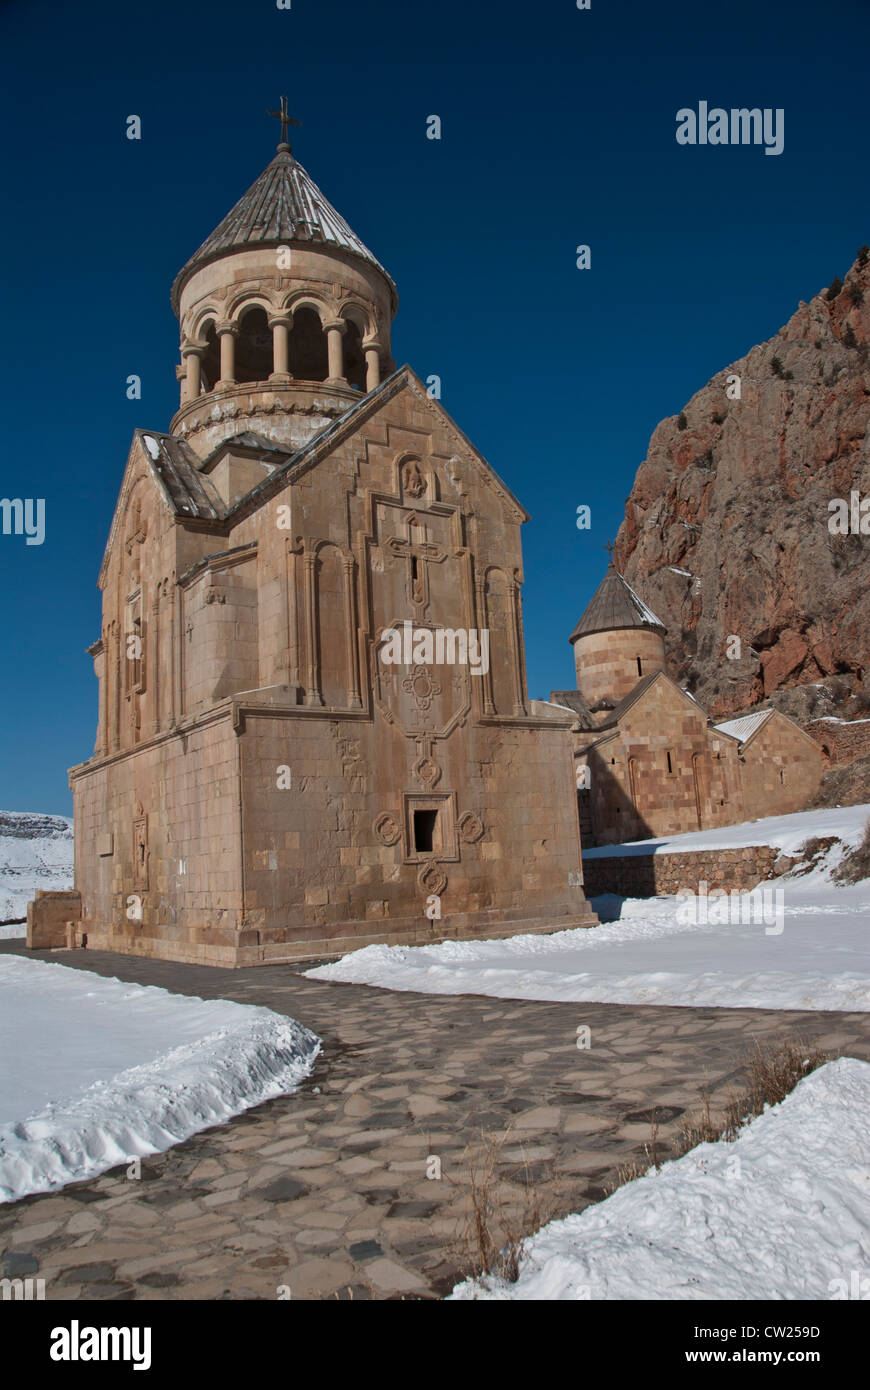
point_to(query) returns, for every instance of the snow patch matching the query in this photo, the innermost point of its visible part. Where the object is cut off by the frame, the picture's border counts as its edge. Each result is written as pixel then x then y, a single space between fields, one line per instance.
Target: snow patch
pixel 105 1071
pixel 649 955
pixel 36 851
pixel 780 1213
pixel 786 833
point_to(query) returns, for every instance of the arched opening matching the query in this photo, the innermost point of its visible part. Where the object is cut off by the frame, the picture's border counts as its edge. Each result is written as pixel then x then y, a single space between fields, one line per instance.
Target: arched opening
pixel 210 369
pixel 254 345
pixel 309 360
pixel 354 357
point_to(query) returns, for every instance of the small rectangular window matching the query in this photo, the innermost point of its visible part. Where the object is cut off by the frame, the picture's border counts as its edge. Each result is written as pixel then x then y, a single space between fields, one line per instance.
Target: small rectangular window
pixel 425 824
pixel 639 667
pixel 670 762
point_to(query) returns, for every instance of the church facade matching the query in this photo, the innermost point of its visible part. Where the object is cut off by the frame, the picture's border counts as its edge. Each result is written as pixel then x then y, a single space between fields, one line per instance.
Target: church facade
pixel 265 786
pixel 649 761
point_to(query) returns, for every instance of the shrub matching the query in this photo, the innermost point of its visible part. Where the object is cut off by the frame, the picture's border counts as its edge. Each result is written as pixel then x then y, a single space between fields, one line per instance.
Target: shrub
pixel 682 422
pixel 849 339
pixel 855 293
pixel 856 865
pixel 863 254
pixel 834 288
pixel 778 370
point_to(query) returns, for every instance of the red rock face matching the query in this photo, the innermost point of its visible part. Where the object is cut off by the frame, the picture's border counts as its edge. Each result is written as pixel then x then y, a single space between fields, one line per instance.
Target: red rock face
pixel 739 499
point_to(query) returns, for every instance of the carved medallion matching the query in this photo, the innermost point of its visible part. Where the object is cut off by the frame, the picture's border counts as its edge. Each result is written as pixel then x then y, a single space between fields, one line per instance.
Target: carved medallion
pixel 387 828
pixel 431 878
pixel 421 686
pixel 427 771
pixel 471 827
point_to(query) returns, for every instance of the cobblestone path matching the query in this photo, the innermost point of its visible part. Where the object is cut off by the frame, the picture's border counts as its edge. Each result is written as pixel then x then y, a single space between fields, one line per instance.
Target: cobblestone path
pixel 327 1192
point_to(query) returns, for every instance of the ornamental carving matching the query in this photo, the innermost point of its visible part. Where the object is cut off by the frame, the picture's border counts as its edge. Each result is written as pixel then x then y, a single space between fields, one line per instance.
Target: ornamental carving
pixel 431 878
pixel 387 828
pixel 427 771
pixel 422 687
pixel 471 827
pixel 414 482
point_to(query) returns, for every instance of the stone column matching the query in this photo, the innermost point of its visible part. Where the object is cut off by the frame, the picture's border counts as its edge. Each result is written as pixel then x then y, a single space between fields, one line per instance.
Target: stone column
pixel 312 694
pixel 353 698
pixel 480 595
pixel 516 650
pixel 335 331
pixel 192 354
pixel 227 333
pixel 373 365
pixel 102 671
pixel 154 682
pixel 280 325
pixel 116 688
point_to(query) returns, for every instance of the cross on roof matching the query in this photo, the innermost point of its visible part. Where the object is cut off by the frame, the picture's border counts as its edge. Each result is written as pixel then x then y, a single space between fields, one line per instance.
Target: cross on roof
pixel 610 547
pixel 285 120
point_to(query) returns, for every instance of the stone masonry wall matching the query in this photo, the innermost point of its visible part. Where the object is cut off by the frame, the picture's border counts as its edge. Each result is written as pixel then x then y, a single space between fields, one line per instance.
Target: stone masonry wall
pixel 841 742
pixel 651 875
pixel 781 770
pixel 607 662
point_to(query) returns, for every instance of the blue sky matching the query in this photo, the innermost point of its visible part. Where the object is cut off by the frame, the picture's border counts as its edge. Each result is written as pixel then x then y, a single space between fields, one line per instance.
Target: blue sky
pixel 558 128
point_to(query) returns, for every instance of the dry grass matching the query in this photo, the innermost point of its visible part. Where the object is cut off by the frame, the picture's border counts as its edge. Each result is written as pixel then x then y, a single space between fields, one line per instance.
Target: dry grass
pixel 856 864
pixel 501 1215
pixel 772 1073
pixel 811 851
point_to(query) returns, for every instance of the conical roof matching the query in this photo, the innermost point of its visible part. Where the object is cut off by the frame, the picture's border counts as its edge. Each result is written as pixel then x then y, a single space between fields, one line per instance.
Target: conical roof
pixel 615 605
pixel 283 205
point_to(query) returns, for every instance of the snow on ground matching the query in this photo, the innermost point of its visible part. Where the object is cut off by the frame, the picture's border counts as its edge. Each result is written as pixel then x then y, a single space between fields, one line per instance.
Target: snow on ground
pixel 786 832
pixel 105 1072
pixel 650 956
pixel 781 1213
pixel 36 851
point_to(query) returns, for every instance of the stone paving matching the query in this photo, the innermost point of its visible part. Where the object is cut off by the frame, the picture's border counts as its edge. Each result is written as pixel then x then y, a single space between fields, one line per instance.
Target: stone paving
pixel 326 1192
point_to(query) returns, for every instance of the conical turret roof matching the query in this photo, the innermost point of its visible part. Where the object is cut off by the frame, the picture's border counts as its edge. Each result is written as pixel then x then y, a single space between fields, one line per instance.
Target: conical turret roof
pixel 283 205
pixel 615 605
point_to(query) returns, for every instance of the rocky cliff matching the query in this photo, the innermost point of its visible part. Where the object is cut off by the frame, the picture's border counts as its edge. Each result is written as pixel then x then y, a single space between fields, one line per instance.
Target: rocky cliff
pixel 726 530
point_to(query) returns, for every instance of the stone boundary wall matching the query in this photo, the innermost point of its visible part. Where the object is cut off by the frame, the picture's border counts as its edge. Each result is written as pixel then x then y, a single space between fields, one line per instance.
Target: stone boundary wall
pixel 650 875
pixel 52 919
pixel 842 741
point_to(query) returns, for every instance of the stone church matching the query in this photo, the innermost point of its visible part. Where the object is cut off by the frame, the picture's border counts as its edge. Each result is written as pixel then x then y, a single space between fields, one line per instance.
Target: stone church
pixel 264 786
pixel 649 761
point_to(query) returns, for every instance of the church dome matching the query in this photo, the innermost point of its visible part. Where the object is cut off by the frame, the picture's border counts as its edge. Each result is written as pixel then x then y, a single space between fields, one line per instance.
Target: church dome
pixel 617 642
pixel 285 317
pixel 614 606
pixel 283 206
